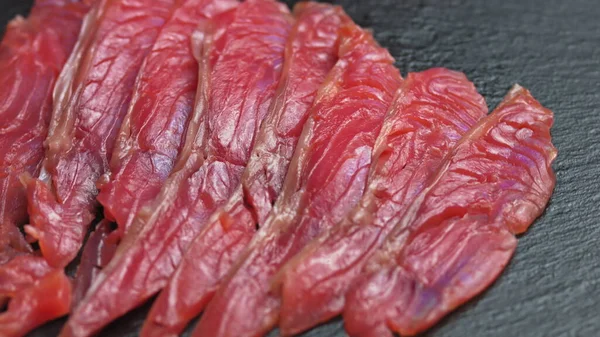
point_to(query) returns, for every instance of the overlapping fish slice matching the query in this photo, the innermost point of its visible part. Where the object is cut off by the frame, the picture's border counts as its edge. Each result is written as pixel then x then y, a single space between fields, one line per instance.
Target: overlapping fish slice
pixel 153 130
pixel 95 255
pixel 91 98
pixel 391 202
pixel 326 178
pixel 459 233
pixel 431 112
pixel 151 134
pixel 311 52
pixel 32 54
pixel 36 293
pixel 236 88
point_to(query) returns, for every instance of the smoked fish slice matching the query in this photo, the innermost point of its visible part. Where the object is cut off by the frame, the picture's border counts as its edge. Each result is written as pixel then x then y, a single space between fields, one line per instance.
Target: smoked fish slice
pixel 431 112
pixel 325 179
pixel 32 54
pixel 233 98
pixel 36 294
pixel 90 100
pixel 152 132
pixel 311 51
pixel 459 233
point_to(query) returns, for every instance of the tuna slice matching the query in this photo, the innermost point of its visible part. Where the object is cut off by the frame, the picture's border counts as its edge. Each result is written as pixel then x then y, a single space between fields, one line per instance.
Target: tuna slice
pixel 325 180
pixel 37 293
pixel 90 100
pixel 459 232
pixel 152 132
pixel 32 53
pixel 432 111
pixel 310 54
pixel 241 87
pixel 96 254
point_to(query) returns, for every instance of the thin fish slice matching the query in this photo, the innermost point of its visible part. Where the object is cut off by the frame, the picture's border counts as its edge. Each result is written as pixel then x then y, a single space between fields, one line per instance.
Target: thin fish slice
pixel 459 233
pixel 96 254
pixel 32 54
pixel 241 87
pixel 36 293
pixel 90 100
pixel 311 52
pixel 152 132
pixel 325 180
pixel 431 112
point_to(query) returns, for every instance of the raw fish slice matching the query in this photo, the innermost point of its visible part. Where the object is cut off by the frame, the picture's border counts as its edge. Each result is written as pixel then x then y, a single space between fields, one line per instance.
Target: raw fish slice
pixel 96 254
pixel 90 100
pixel 32 54
pixel 36 294
pixel 153 130
pixel 432 111
pixel 325 180
pixel 459 233
pixel 20 273
pixel 241 87
pixel 311 52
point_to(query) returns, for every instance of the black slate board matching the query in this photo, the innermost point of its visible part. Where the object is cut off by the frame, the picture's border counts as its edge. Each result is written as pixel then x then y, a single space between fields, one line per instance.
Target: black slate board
pixel 552 47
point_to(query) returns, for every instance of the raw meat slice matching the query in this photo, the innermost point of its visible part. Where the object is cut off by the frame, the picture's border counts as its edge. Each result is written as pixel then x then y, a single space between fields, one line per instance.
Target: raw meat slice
pixel 97 253
pixel 152 132
pixel 326 178
pixel 32 53
pixel 91 98
pixel 20 273
pixel 310 54
pixel 432 111
pixel 459 232
pixel 241 87
pixel 37 293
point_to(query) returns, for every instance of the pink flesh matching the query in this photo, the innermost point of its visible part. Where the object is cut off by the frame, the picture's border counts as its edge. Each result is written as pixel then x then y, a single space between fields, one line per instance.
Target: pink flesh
pixel 152 132
pixel 97 253
pixel 32 53
pixel 90 100
pixel 432 110
pixel 310 54
pixel 218 143
pixel 325 180
pixel 37 293
pixel 458 234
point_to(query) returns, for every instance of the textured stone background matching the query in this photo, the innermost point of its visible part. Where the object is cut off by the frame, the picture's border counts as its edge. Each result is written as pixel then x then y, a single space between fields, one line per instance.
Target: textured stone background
pixel 552 47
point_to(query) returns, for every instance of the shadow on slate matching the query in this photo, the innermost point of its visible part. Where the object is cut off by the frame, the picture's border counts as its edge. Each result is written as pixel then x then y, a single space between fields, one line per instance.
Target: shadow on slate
pixel 551 287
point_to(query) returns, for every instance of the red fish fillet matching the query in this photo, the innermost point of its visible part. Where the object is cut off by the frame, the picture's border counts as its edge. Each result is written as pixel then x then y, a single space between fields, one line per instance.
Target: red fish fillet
pixel 311 52
pixel 459 232
pixel 37 293
pixel 91 98
pixel 241 87
pixel 431 112
pixel 96 254
pixel 32 54
pixel 152 132
pixel 326 178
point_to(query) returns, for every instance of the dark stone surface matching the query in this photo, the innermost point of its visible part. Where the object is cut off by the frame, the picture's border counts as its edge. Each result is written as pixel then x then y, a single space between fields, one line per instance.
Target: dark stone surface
pixel 552 47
